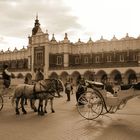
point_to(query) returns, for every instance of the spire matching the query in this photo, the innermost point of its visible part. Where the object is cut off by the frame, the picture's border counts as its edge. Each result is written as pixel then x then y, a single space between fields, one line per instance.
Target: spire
pixel 53 38
pixel 36 25
pixel 36 16
pixel 90 40
pixel 66 36
pixel 79 40
pixel 127 35
pixel 37 21
pixel 101 38
pixel 66 40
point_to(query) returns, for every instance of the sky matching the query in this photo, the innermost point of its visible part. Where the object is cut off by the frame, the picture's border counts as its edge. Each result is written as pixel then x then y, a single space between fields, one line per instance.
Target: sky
pixel 78 18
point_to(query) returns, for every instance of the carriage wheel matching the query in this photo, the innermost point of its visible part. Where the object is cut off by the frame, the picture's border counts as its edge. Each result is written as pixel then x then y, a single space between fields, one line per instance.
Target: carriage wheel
pixel 90 105
pixel 1 102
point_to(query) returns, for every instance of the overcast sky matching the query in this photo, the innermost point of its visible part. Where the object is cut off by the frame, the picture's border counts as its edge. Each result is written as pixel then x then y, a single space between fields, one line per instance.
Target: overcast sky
pixel 79 18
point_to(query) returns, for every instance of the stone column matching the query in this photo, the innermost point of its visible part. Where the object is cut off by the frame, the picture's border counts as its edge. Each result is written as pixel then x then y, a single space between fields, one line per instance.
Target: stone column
pixel 139 59
pixel 46 66
pixel 66 59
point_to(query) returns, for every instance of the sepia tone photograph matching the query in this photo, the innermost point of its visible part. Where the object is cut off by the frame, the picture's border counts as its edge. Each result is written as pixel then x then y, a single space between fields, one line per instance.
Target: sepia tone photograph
pixel 69 70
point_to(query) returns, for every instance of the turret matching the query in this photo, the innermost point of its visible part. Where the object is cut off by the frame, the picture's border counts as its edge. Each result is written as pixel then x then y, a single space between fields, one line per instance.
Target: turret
pixel 36 26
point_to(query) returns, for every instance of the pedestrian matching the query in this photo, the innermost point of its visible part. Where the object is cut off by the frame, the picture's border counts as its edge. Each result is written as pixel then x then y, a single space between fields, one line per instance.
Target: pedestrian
pixel 72 92
pixel 68 89
pixel 6 75
pixel 39 75
pixel 28 80
pixel 81 88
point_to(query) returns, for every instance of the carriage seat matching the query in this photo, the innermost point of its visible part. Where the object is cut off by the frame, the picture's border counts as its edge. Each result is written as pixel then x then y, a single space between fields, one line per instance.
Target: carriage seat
pixel 126 87
pixel 137 86
pixel 96 84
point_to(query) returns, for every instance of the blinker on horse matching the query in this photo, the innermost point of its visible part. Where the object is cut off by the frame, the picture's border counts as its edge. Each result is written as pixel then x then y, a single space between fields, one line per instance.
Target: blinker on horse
pixel 40 91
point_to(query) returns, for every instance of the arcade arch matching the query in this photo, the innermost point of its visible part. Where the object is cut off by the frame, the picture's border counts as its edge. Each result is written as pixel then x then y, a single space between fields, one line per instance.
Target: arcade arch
pixel 89 75
pixel 20 75
pixel 64 75
pixel 101 76
pixel 75 76
pixel 116 77
pixel 53 75
pixel 130 76
pixel 29 75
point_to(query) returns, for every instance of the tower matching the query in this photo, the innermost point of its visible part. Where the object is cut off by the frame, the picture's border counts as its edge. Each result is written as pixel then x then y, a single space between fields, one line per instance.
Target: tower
pixel 39 45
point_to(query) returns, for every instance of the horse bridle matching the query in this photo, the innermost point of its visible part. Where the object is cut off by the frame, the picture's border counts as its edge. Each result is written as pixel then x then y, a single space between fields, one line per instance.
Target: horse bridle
pixel 47 90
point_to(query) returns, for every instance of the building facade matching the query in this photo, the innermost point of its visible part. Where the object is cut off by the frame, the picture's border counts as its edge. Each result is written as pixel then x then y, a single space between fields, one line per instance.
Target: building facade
pixel 112 60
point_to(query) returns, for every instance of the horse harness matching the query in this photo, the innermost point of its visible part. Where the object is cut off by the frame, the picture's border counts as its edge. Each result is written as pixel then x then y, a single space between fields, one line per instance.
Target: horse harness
pixel 38 93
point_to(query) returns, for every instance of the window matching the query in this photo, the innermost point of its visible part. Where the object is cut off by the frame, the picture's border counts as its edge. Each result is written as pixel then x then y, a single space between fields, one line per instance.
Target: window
pixel 39 57
pixel 121 58
pixel 59 60
pixel 108 59
pixel 134 57
pixel 97 59
pixel 76 60
pixel 86 59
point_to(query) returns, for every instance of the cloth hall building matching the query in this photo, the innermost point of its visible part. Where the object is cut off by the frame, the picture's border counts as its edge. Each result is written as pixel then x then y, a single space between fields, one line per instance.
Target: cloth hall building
pixel 114 60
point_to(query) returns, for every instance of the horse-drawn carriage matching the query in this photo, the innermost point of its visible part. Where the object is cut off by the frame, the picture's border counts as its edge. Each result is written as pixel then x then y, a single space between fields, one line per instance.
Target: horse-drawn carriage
pixel 97 100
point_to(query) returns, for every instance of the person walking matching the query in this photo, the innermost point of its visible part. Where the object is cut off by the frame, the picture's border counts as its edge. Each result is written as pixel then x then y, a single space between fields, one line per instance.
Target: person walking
pixel 39 75
pixel 81 88
pixel 68 89
pixel 28 80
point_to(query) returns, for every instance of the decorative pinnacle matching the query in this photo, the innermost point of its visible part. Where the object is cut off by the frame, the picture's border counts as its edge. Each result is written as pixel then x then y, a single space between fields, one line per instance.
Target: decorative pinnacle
pixel 36 16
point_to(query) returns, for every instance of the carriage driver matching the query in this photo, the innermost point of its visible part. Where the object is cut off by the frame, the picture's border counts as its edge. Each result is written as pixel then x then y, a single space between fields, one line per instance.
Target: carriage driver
pixel 6 76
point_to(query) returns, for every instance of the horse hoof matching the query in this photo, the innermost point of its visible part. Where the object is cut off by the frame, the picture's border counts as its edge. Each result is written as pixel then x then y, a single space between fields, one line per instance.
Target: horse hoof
pixel 35 110
pixel 45 112
pixel 53 111
pixel 41 113
pixel 17 113
pixel 24 112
